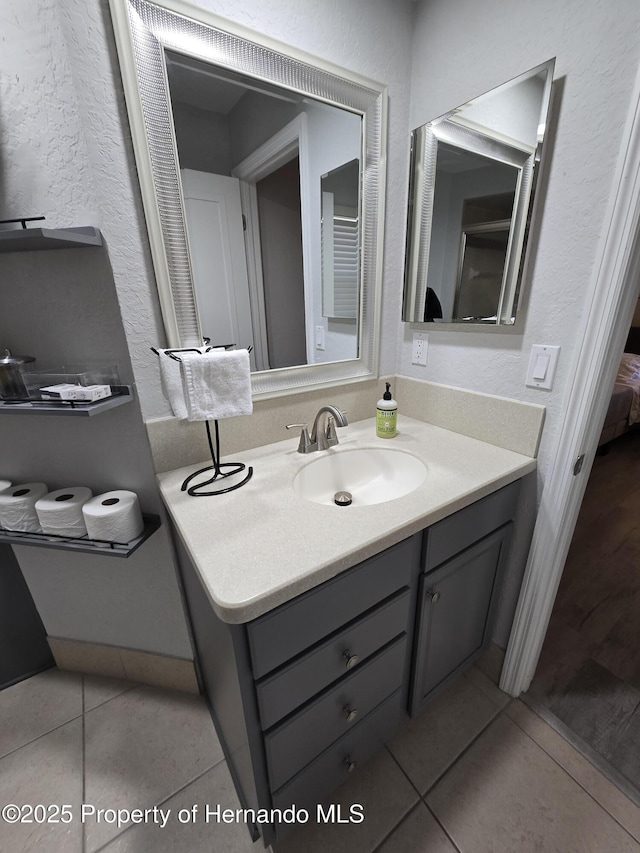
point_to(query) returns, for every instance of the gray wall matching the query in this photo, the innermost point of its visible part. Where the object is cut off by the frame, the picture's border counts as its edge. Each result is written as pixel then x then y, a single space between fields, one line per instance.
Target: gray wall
pixel 61 307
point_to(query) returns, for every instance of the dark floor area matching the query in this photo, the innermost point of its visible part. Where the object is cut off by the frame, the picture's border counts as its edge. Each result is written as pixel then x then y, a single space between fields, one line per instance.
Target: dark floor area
pixel 588 676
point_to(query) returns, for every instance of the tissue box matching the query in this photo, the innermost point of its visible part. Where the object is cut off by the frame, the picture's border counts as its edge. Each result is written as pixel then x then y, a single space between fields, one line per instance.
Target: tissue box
pixel 67 391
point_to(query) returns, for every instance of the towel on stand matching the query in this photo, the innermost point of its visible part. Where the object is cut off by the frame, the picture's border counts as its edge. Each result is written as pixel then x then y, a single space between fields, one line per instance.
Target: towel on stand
pixel 217 384
pixel 172 387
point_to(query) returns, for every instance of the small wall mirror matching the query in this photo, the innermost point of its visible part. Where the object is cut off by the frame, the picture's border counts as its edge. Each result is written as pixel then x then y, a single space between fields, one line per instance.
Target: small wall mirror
pixel 258 167
pixel 472 184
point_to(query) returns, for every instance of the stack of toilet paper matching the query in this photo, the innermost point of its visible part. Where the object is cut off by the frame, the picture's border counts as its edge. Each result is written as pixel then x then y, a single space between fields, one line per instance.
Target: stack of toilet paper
pixel 72 512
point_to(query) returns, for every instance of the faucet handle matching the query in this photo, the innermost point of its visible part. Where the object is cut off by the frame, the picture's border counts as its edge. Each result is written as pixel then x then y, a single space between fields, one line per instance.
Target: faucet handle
pixel 305 441
pixel 332 438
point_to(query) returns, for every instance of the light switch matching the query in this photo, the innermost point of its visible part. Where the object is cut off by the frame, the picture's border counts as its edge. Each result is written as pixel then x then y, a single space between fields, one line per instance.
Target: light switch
pixel 540 369
pixel 542 366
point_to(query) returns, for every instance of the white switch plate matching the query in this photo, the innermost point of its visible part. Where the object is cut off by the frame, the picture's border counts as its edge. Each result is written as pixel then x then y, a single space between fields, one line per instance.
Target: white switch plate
pixel 419 348
pixel 319 337
pixel 542 366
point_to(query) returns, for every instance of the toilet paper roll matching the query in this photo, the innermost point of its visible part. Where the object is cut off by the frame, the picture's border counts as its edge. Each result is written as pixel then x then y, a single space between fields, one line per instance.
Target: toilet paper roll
pixel 4 485
pixel 60 512
pixel 114 516
pixel 17 507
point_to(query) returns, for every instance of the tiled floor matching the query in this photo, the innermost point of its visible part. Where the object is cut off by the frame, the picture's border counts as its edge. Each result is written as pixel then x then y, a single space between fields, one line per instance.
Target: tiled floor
pixel 475 773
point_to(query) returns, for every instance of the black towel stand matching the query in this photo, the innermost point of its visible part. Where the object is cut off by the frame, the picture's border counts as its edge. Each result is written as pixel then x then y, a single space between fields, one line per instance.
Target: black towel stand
pixel 218 474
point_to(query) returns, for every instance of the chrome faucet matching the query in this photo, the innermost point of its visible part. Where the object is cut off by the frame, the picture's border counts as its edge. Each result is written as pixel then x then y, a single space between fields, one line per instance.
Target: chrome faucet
pixel 323 433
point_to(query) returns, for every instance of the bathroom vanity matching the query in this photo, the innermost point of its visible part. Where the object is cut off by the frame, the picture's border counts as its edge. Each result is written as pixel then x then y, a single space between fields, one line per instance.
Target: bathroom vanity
pixel 320 628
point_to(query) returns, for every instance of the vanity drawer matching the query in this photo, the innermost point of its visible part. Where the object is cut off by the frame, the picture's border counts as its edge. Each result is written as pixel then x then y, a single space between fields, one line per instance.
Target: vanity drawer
pixel 278 636
pixel 286 690
pixel 452 535
pixel 294 743
pixel 330 769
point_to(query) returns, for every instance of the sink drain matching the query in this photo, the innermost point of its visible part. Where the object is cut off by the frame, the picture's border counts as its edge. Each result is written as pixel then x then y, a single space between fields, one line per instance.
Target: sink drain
pixel 342 499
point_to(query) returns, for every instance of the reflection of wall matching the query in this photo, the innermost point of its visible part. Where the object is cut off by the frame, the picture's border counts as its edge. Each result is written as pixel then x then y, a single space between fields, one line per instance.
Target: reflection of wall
pixel 203 140
pixel 513 114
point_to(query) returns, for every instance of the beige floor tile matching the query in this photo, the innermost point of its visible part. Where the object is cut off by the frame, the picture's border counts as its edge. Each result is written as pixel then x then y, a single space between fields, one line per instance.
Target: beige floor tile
pixel 38 705
pixel 141 748
pixel 601 789
pixel 194 835
pixel 385 796
pixel 499 698
pixel 420 832
pixel 506 794
pixel 99 689
pixel 48 772
pixel 427 745
pixel 491 663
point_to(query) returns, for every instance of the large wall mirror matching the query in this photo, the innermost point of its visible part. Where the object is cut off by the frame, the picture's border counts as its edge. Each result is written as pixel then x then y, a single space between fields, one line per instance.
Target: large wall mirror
pixel 472 185
pixel 262 176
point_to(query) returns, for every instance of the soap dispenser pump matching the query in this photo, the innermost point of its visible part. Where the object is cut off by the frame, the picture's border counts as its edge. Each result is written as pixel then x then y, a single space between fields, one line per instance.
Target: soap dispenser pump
pixel 387 415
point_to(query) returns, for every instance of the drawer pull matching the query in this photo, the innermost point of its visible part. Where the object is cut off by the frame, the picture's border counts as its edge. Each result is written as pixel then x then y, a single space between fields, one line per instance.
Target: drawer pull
pixel 351 713
pixel 350 660
pixel 434 596
pixel 351 765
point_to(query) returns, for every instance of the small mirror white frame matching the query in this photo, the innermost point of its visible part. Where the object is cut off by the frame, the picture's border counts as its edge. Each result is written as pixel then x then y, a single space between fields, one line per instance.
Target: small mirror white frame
pixel 453 129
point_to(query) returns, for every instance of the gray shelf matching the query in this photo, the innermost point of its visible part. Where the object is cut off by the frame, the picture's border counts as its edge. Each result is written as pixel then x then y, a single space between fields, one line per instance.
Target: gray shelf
pixel 83 410
pixel 37 239
pixel 85 545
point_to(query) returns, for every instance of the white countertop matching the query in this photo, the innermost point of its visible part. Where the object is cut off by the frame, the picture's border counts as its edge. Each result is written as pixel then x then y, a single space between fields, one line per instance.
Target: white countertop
pixel 262 545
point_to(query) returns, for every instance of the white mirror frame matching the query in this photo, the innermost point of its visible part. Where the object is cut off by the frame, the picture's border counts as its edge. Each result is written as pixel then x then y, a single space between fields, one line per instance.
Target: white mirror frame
pixel 143 30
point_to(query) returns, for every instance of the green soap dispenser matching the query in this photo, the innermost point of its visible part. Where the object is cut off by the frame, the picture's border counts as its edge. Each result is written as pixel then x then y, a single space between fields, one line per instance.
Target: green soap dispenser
pixel 387 415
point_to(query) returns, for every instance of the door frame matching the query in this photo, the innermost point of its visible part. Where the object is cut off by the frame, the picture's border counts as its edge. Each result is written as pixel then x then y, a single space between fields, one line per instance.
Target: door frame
pixel 289 141
pixel 603 328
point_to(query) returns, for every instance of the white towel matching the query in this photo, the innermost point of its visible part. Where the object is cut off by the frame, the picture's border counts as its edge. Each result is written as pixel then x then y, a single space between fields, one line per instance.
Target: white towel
pixel 171 380
pixel 217 384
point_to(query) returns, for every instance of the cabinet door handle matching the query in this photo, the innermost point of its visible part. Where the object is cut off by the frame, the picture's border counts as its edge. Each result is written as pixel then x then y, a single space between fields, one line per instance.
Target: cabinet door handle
pixel 351 713
pixel 434 596
pixel 351 765
pixel 350 660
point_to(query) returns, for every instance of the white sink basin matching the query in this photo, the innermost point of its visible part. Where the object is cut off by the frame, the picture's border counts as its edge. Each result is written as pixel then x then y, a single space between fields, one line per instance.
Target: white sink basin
pixel 371 475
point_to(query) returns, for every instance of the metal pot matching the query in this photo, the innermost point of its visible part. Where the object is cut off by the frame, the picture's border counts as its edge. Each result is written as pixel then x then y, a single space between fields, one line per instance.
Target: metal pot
pixel 12 385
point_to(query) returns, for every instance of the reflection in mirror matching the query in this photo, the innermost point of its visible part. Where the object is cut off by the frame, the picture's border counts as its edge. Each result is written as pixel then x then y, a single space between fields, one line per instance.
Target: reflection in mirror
pixel 340 190
pixel 254 162
pixel 237 145
pixel 473 175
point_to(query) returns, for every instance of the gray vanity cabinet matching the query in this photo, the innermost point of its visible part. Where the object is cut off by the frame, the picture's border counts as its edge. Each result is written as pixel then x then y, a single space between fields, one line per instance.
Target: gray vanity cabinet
pixel 304 694
pixel 464 560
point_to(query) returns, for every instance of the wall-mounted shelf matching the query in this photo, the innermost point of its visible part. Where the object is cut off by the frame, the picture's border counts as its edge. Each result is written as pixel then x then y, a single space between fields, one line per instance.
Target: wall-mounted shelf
pixel 37 239
pixel 85 545
pixel 124 395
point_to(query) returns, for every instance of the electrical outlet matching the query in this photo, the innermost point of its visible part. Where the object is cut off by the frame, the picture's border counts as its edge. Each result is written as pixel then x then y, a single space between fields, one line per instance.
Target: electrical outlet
pixel 419 349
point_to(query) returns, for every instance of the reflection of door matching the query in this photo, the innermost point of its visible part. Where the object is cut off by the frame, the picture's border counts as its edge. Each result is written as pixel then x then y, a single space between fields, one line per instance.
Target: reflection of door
pixel 278 198
pixel 482 262
pixel 216 245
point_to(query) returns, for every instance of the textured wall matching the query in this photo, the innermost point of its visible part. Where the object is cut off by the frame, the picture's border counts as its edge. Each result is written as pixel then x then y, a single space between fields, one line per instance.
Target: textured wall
pixel 597 48
pixel 367 36
pixel 62 307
